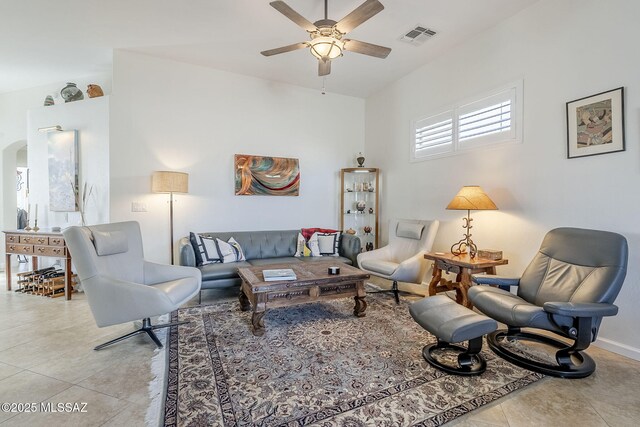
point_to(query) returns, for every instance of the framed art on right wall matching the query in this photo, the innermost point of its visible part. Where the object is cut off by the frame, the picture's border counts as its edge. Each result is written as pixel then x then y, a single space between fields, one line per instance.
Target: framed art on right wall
pixel 595 124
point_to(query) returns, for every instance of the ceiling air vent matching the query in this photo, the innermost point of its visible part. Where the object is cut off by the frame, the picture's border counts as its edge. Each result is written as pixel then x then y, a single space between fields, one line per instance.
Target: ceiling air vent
pixel 418 35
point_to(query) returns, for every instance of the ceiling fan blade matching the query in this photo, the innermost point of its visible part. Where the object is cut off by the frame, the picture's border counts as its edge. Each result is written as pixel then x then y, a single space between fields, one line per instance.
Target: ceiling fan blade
pixel 324 67
pixel 284 8
pixel 360 14
pixel 366 48
pixel 283 49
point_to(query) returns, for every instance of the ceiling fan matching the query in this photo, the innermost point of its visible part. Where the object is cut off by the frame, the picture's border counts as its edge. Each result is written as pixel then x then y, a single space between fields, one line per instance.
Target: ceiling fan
pixel 327 41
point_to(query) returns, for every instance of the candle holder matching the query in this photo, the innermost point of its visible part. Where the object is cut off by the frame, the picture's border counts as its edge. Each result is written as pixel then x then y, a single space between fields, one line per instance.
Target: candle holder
pixel 28 227
pixel 35 226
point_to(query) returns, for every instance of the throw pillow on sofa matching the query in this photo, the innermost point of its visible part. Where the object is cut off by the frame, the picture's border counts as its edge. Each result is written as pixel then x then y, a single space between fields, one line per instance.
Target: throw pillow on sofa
pixel 229 251
pixel 205 249
pixel 308 232
pixel 328 243
pixel 304 248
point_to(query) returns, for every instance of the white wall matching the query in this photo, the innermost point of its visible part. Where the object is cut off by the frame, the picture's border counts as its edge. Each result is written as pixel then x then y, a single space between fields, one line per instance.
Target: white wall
pixel 90 117
pixel 13 135
pixel 168 115
pixel 563 51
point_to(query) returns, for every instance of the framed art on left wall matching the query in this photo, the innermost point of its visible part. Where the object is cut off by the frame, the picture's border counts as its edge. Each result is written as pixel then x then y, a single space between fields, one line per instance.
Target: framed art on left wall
pixel 595 124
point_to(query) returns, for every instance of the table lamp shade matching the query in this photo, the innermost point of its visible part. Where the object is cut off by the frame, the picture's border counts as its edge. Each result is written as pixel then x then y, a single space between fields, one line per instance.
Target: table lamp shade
pixel 471 197
pixel 170 182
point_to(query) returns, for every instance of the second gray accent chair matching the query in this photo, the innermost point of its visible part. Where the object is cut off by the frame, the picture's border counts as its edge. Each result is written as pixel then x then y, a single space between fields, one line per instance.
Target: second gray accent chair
pixel 402 259
pixel 569 286
pixel 120 285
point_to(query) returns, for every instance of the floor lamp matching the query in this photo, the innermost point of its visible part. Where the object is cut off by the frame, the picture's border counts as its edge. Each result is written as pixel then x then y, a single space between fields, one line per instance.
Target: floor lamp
pixel 170 182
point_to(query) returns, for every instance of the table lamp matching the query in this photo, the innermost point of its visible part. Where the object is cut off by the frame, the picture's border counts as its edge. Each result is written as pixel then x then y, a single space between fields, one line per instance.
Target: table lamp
pixel 170 182
pixel 468 198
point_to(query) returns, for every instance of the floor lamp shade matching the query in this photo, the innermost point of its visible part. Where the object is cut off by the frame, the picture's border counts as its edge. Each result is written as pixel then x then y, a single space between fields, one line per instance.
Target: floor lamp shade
pixel 170 182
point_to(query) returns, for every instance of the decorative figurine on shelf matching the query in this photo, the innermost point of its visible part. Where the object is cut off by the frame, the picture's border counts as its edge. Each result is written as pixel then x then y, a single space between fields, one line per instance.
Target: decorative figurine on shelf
pixel 71 93
pixel 351 231
pixel 361 205
pixel 360 160
pixel 348 211
pixel 367 229
pixel 370 210
pixel 48 101
pixel 369 246
pixel 94 91
pixel 371 187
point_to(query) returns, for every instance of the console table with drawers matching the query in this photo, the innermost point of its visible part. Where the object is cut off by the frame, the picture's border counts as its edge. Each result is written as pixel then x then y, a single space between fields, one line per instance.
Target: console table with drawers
pixel 38 244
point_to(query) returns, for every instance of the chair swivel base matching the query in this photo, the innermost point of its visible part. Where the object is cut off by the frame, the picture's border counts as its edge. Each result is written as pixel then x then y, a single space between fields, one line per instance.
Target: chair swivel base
pixel 564 369
pixel 394 289
pixel 146 327
pixel 470 362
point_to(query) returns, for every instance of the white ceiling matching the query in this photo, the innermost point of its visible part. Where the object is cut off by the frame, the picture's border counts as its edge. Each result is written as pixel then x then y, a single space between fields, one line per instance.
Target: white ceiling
pixel 44 41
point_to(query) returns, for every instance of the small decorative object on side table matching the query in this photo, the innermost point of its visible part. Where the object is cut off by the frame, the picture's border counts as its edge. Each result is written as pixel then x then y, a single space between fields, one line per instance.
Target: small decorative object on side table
pixel 489 254
pixel 463 266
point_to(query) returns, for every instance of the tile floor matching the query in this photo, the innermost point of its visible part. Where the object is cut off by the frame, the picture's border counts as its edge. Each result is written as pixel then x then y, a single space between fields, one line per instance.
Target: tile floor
pixel 46 356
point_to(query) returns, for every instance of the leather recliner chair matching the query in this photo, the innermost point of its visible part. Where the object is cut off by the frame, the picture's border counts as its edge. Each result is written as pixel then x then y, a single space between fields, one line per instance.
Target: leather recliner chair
pixel 120 285
pixel 568 287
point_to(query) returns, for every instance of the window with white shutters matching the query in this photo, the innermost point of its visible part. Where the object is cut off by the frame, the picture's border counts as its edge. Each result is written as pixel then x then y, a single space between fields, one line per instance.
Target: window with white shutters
pixel 491 119
pixel 433 135
pixel 487 120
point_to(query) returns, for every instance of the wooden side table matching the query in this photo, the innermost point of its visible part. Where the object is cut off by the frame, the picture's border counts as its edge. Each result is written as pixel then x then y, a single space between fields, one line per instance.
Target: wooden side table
pixel 36 244
pixel 463 266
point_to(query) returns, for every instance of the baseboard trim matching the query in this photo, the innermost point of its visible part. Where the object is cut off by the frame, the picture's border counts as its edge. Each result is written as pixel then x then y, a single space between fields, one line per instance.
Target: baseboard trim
pixel 619 348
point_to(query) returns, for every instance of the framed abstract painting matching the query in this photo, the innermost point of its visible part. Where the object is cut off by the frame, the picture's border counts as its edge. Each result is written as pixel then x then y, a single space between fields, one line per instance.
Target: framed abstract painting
pixel 595 124
pixel 266 176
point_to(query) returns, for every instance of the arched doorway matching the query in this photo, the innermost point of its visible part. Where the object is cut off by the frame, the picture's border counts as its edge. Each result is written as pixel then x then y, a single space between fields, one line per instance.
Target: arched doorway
pixel 13 155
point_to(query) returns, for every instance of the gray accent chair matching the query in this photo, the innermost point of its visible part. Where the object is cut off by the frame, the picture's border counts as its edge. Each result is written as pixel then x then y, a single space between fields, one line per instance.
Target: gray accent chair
pixel 260 248
pixel 568 287
pixel 402 260
pixel 120 285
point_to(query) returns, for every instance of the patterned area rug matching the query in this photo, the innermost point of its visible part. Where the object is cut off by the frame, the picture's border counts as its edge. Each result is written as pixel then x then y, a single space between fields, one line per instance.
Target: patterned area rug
pixel 317 364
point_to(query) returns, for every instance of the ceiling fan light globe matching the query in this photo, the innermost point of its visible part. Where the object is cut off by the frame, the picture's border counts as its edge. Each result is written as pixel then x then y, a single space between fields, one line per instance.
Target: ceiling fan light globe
pixel 326 47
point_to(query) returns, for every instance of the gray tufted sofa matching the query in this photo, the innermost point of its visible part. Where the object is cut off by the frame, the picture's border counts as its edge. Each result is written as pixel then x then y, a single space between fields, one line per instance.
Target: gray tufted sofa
pixel 260 248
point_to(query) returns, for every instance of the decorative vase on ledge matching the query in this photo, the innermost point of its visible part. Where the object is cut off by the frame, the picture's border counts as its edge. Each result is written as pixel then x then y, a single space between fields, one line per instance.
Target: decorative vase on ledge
pixel 71 93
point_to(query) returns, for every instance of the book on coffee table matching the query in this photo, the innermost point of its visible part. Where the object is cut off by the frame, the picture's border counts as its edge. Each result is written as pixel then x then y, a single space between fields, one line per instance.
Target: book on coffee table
pixel 279 274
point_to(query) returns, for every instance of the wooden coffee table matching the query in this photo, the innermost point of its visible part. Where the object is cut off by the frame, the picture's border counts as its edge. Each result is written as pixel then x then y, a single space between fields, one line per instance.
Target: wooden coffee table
pixel 313 284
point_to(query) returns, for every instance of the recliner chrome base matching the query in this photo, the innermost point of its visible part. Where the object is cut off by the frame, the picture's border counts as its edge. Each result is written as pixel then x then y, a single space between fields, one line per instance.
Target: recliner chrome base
pixel 566 368
pixel 146 327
